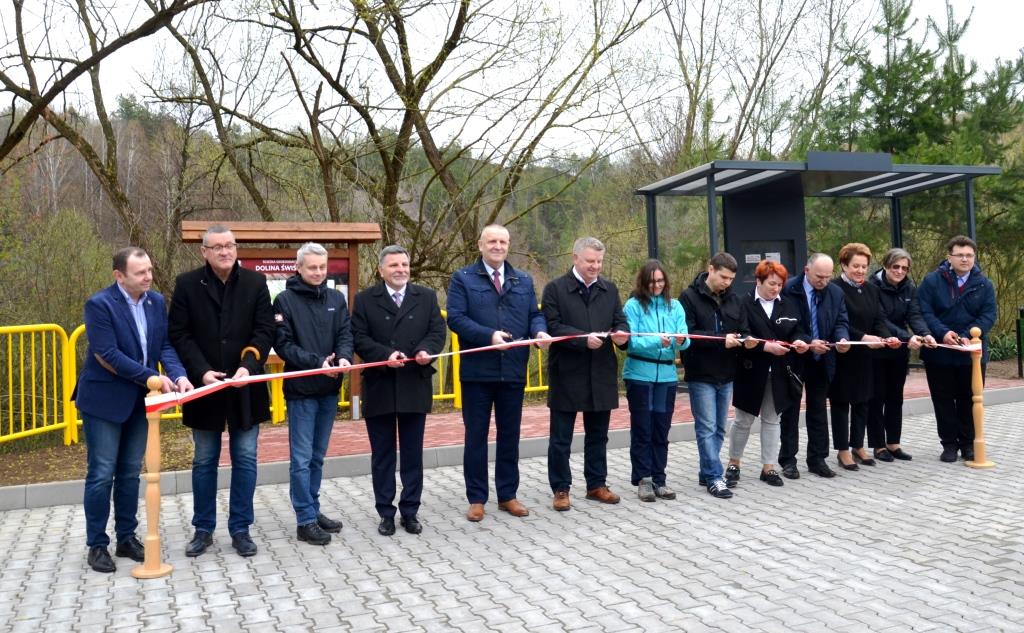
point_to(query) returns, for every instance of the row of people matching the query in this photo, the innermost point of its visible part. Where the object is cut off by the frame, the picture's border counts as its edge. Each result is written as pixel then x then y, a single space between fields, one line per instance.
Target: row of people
pixel 221 324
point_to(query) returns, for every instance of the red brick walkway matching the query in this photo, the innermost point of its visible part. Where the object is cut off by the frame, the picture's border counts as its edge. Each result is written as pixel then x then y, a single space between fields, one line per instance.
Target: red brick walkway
pixel 445 429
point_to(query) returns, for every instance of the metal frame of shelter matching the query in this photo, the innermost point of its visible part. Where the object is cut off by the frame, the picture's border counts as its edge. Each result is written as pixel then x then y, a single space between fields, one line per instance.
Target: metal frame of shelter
pixel 823 174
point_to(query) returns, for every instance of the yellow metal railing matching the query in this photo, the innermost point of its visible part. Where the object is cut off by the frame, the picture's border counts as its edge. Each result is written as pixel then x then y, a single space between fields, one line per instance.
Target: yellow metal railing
pixel 39 367
pixel 35 382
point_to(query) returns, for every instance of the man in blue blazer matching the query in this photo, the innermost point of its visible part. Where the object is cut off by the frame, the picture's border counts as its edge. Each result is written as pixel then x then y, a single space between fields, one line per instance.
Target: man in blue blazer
pixel 126 325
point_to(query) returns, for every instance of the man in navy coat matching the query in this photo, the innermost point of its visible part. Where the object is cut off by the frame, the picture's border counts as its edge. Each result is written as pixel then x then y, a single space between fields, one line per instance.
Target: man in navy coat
pixel 126 325
pixel 491 303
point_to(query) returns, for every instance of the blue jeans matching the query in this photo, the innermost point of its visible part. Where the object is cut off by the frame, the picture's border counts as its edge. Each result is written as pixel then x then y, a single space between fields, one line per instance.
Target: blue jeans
pixel 242 446
pixel 651 405
pixel 710 406
pixel 310 421
pixel 114 459
pixel 506 399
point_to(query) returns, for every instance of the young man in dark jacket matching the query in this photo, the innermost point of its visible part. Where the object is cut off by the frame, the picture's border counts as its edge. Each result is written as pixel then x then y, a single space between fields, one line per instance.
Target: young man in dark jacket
pixel 712 309
pixel 954 298
pixel 313 331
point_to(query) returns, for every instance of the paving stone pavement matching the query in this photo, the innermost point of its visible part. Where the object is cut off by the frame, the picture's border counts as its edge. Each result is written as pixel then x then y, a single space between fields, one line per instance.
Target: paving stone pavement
pixel 918 546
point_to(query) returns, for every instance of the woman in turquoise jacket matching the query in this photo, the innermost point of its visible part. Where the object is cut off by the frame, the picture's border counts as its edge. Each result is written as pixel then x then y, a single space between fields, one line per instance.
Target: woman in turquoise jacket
pixel 650 375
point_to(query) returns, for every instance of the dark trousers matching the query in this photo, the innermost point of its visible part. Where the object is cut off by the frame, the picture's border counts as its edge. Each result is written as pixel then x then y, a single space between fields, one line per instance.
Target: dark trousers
pixel 816 391
pixel 849 419
pixel 478 398
pixel 383 430
pixel 595 443
pixel 650 418
pixel 885 411
pixel 950 387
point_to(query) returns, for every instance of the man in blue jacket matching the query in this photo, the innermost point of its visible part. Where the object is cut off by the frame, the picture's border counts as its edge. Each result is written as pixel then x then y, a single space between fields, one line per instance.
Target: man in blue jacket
pixel 491 303
pixel 955 297
pixel 313 331
pixel 823 310
pixel 126 325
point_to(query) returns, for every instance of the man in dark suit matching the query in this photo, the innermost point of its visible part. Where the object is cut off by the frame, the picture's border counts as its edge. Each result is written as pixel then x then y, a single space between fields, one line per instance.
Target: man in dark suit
pixel 491 303
pixel 222 325
pixel 395 321
pixel 583 372
pixel 126 325
pixel 823 314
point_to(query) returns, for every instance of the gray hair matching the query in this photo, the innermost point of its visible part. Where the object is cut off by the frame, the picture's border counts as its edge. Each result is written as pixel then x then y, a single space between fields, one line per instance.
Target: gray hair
pixel 214 229
pixel 894 255
pixel 309 248
pixel 815 257
pixel 393 249
pixel 500 227
pixel 587 242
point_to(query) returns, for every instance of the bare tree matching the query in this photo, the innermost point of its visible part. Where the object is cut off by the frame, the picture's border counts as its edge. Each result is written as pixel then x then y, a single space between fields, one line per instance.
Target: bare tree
pixel 35 73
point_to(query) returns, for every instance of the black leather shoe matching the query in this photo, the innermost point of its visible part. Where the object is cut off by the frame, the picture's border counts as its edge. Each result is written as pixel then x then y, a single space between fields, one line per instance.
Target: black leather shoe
pixel 948 454
pixel 901 454
pixel 790 471
pixel 313 534
pixel 201 540
pixel 852 466
pixel 412 525
pixel 100 560
pixel 771 478
pixel 968 454
pixel 867 461
pixel 884 455
pixel 386 527
pixel 732 476
pixel 821 469
pixel 328 524
pixel 131 548
pixel 243 544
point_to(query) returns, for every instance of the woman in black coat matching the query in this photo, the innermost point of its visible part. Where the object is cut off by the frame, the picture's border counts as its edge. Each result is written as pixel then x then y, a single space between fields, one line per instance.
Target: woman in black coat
pixel 851 390
pixel 766 381
pixel 898 296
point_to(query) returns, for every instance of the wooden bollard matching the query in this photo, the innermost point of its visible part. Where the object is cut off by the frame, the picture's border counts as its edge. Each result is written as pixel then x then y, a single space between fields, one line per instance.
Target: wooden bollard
pixel 977 387
pixel 151 566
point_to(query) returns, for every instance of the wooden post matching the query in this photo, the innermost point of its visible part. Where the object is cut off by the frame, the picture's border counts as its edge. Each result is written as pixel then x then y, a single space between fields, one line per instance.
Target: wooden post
pixel 977 386
pixel 152 567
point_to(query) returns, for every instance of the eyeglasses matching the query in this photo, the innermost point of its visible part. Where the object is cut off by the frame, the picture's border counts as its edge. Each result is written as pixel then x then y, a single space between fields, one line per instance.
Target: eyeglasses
pixel 899 267
pixel 658 282
pixel 962 255
pixel 220 248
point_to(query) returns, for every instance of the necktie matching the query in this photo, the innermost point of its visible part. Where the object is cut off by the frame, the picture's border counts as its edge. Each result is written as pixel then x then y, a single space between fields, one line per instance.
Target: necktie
pixel 398 299
pixel 815 332
pixel 497 281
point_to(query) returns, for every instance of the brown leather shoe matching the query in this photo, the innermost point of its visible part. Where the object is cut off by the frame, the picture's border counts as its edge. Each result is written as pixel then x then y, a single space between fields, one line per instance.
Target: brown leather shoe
pixel 603 494
pixel 561 502
pixel 475 512
pixel 513 507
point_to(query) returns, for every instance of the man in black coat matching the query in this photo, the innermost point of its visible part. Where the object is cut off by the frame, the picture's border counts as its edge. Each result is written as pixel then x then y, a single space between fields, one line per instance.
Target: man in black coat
pixel 394 321
pixel 313 331
pixel 823 310
pixel 712 309
pixel 583 372
pixel 222 325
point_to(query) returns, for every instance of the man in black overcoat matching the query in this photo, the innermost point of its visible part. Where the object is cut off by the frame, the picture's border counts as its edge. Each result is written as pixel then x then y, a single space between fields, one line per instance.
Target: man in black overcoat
pixel 392 321
pixel 583 372
pixel 222 325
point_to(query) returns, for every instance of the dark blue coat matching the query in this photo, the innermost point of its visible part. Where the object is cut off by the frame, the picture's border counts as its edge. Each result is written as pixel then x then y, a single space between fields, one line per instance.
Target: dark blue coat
pixel 833 321
pixel 113 380
pixel 476 311
pixel 947 308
